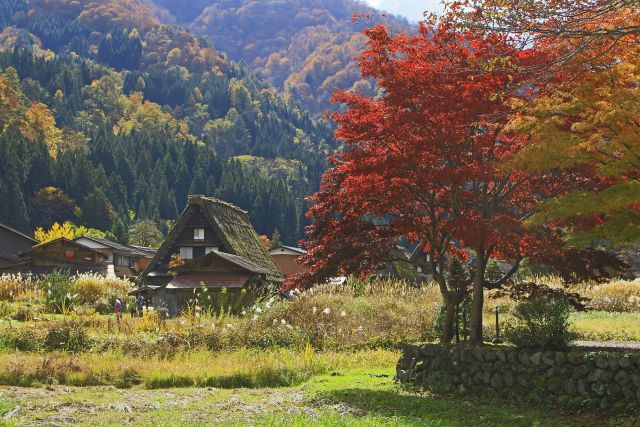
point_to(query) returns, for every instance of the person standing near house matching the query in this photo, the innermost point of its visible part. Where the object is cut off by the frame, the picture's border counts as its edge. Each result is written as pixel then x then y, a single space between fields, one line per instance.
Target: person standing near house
pixel 140 304
pixel 118 308
pixel 132 306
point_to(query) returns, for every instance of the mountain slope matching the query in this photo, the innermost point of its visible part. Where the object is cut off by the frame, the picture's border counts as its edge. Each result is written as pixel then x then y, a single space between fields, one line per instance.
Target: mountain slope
pixel 117 112
pixel 304 47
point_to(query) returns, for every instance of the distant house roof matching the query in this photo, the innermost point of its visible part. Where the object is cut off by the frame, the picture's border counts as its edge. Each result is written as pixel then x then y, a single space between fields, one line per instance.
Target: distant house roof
pixel 114 245
pixel 63 239
pixel 399 266
pixel 419 256
pixel 300 251
pixel 18 233
pixel 231 225
pixel 150 252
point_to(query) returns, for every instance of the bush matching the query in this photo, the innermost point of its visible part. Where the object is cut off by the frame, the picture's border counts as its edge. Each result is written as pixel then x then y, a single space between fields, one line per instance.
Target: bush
pixel 541 323
pixel 57 288
pixel 68 336
pixel 23 314
pixel 21 339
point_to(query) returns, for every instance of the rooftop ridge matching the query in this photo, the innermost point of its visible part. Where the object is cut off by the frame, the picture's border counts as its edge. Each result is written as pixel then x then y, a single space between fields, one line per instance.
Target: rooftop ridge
pixel 13 230
pixel 199 199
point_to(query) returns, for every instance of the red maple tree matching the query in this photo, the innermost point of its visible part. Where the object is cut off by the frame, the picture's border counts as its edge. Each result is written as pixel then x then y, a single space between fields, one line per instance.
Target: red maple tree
pixel 423 161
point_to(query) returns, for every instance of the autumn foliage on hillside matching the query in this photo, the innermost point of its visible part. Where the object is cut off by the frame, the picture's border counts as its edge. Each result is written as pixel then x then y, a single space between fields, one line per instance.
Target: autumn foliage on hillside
pixel 304 47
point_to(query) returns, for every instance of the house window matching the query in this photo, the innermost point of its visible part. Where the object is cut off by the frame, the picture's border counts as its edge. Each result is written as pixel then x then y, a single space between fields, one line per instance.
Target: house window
pixel 211 249
pixel 122 261
pixel 186 253
pixel 198 234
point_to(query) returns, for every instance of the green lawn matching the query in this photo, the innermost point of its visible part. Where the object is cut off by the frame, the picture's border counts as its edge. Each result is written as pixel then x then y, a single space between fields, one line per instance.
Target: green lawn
pixel 604 326
pixel 357 397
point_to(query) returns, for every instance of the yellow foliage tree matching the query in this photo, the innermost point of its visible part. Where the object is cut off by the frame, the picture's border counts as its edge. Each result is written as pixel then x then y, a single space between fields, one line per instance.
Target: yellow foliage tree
pixel 591 121
pixel 57 231
pixel 40 125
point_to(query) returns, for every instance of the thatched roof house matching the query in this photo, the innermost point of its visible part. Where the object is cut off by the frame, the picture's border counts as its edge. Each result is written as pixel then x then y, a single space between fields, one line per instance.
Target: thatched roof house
pixel 213 244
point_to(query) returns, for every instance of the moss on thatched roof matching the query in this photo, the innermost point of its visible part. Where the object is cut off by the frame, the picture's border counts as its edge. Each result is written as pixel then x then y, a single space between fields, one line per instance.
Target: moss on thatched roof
pixel 232 227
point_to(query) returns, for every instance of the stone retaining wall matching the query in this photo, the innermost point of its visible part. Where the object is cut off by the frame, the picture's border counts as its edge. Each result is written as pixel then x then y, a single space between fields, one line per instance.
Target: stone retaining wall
pixel 573 378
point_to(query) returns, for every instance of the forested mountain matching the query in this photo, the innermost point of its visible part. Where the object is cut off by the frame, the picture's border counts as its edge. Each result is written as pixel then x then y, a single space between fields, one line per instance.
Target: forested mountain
pixel 108 116
pixel 304 47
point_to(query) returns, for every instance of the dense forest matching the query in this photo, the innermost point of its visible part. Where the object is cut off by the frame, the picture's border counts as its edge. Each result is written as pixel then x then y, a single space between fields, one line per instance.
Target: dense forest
pixel 109 117
pixel 304 47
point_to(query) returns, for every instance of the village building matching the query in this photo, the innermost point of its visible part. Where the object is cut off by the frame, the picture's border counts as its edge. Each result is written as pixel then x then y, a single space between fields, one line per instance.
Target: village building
pixel 58 254
pixel 286 258
pixel 212 245
pixel 13 242
pixel 399 267
pixel 127 261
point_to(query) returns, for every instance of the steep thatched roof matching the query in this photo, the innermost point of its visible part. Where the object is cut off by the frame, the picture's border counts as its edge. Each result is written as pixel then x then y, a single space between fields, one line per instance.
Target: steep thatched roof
pixel 232 227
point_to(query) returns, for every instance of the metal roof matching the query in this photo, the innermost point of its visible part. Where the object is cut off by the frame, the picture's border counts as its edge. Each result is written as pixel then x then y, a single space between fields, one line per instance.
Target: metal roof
pixel 64 239
pixel 146 250
pixel 114 245
pixel 291 248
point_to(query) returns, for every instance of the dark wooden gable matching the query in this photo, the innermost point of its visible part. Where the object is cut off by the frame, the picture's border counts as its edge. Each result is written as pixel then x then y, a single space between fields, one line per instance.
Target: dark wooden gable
pixel 198 220
pixel 12 243
pixel 195 219
pixel 212 264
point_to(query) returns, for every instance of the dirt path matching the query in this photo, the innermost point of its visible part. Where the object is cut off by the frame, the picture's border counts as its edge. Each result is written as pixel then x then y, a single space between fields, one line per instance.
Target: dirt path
pixel 609 345
pixel 57 406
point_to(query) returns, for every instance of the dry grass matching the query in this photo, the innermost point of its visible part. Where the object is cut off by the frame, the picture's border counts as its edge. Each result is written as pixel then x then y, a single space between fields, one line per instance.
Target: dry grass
pixel 348 317
pixel 241 368
pixel 99 292
pixel 15 287
pixel 615 296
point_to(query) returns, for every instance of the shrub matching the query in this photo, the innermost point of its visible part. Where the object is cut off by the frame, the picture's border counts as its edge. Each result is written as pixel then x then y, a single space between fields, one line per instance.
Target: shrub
pixel 23 314
pixel 541 323
pixel 21 339
pixel 57 288
pixel 5 310
pixel 67 335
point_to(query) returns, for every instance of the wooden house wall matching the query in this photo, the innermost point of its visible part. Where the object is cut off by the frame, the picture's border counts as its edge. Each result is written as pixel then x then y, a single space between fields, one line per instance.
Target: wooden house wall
pixel 211 264
pixel 288 264
pixel 11 244
pixel 52 253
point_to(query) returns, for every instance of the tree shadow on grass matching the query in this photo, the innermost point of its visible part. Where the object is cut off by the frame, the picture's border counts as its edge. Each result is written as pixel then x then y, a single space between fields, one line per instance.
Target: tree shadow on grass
pixel 407 408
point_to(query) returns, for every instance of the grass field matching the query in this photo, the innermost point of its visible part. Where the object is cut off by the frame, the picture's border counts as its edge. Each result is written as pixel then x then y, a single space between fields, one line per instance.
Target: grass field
pixel 325 359
pixel 349 397
pixel 605 326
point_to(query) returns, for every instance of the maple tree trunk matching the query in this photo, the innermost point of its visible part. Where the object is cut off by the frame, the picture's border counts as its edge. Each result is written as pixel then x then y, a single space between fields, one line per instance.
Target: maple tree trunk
pixel 478 300
pixel 448 322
